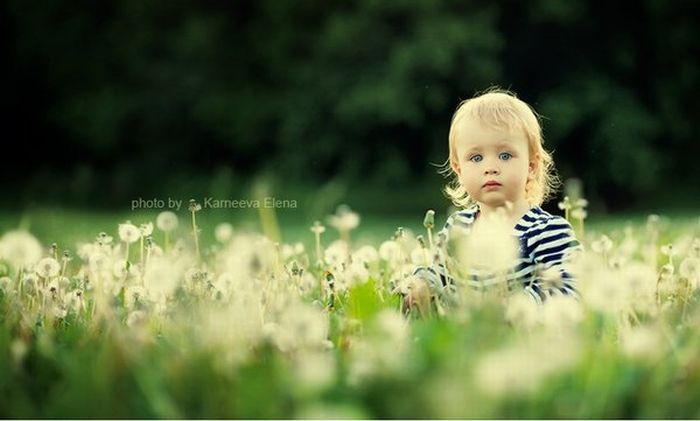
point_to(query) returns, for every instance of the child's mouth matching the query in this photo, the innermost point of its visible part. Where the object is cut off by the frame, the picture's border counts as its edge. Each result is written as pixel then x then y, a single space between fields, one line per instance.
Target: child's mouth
pixel 491 185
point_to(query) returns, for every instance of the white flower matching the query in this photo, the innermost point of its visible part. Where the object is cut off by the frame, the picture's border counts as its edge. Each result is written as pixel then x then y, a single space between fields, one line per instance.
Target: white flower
pixel 160 278
pixel 565 204
pixel 20 248
pixel 315 370
pixel 690 270
pixel 561 311
pixel 128 232
pixel 48 267
pixel 366 254
pixel 223 232
pixel 85 250
pixel 119 269
pixel 602 245
pixel 336 253
pixel 136 318
pixel 146 229
pixel 490 246
pixel 29 282
pixel 317 228
pixel 166 221
pixel 643 343
pixel 523 368
pixel 344 219
pixel 104 239
pixel 134 295
pixel 668 250
pixel 418 256
pixel 522 310
pixel 5 284
pixel 579 213
pixel 389 251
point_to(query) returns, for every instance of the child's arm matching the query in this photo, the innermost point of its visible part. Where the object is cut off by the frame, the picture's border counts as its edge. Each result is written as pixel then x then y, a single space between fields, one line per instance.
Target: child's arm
pixel 552 246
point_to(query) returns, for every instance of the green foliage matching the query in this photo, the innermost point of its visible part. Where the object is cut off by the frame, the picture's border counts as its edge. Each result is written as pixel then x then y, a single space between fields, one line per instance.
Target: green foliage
pixel 154 95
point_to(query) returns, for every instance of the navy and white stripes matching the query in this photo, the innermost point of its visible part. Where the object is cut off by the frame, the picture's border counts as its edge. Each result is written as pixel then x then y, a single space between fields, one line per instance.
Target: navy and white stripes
pixel 547 243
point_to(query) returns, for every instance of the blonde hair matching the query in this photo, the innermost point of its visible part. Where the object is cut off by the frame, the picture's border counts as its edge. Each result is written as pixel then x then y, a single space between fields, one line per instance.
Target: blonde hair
pixel 502 109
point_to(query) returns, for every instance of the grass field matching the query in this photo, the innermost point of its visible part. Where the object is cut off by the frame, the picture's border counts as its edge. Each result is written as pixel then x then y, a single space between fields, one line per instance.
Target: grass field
pixel 238 327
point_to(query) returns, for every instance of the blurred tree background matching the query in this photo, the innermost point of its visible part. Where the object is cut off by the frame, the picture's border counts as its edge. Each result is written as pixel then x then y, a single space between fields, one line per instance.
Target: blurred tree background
pixel 104 102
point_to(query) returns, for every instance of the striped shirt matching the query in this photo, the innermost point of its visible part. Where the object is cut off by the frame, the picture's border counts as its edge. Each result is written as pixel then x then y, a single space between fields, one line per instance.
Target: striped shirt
pixel 546 245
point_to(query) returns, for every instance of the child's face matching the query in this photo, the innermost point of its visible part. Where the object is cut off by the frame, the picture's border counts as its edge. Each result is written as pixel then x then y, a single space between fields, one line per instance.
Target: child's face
pixel 493 164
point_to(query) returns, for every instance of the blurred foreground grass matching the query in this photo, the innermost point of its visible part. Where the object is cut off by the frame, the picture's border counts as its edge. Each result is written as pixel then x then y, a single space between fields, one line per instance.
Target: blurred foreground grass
pixel 256 337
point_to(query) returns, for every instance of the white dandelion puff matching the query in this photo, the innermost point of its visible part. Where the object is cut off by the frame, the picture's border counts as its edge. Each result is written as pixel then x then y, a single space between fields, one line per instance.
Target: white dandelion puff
pixel 48 267
pixel 128 232
pixel 20 248
pixel 146 229
pixel 344 219
pixel 167 221
pixel 223 232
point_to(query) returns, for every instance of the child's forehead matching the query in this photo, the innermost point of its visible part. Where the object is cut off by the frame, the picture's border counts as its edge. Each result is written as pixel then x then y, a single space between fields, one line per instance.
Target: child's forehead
pixel 470 130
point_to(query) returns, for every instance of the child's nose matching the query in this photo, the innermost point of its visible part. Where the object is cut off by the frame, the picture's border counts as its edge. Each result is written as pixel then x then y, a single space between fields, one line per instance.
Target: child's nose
pixel 491 168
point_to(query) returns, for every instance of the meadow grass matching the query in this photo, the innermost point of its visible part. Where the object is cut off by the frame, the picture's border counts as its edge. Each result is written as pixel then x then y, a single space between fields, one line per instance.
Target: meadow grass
pixel 246 331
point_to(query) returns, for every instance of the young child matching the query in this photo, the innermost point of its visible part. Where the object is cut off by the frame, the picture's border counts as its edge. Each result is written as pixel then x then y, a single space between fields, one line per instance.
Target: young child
pixel 500 167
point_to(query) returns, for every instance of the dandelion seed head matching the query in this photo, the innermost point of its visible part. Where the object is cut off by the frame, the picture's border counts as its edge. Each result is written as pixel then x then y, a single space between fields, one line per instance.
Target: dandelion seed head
pixel 136 318
pixel 315 370
pixel 29 282
pixel 223 232
pixel 602 245
pixel 146 229
pixel 344 219
pixel 161 277
pixel 668 250
pixel 490 246
pixel 418 256
pixel 389 251
pixel 194 206
pixel 5 284
pixel 167 221
pixel 317 228
pixel 48 267
pixel 20 248
pixel 690 270
pixel 521 369
pixel 579 214
pixel 565 203
pixel 642 343
pixel 695 247
pixel 336 253
pixel 366 254
pixel 128 232
pixel 561 312
pixel 103 239
pixel 522 310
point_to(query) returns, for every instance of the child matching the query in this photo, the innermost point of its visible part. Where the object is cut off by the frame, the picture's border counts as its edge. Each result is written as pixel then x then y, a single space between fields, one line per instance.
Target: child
pixel 500 167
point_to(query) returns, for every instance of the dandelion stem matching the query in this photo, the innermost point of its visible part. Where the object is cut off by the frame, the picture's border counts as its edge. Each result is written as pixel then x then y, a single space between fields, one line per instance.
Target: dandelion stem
pixel 194 234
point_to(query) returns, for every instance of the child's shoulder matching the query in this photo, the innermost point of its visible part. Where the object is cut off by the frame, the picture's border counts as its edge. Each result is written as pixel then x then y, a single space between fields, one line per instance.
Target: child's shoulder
pixel 538 220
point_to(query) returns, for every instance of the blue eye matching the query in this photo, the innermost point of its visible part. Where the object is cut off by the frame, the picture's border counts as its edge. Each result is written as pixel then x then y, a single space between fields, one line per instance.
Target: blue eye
pixel 476 158
pixel 504 156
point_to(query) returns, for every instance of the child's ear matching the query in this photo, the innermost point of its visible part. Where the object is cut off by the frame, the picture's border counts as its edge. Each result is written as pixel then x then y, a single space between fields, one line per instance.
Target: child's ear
pixel 455 166
pixel 533 167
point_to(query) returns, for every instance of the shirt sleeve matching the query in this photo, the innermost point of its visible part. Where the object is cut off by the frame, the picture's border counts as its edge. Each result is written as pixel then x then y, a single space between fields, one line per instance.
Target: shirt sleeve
pixel 552 246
